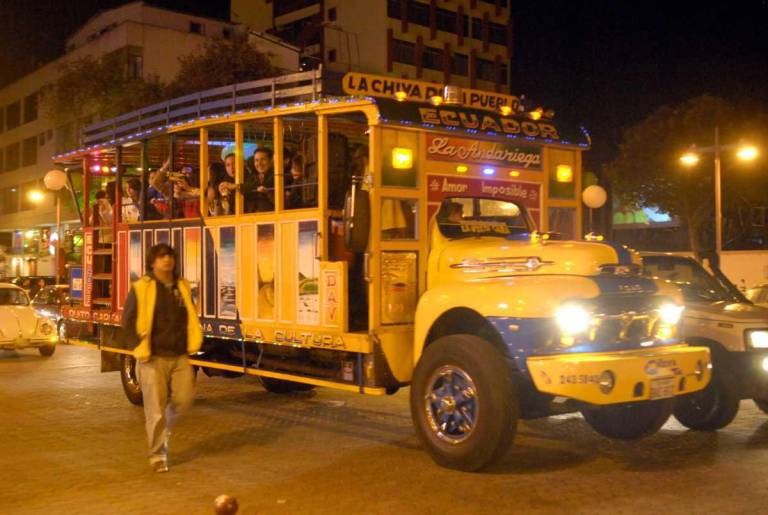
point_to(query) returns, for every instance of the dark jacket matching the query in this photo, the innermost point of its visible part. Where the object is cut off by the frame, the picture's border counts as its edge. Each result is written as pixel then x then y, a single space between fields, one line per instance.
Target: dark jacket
pixel 258 200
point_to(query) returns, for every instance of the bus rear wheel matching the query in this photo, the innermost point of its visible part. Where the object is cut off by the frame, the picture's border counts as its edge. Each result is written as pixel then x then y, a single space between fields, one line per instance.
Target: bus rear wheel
pixel 130 380
pixel 281 386
pixel 464 403
pixel 630 421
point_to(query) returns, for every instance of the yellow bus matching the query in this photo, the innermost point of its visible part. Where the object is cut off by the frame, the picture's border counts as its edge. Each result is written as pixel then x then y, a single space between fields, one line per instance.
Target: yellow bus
pixel 369 233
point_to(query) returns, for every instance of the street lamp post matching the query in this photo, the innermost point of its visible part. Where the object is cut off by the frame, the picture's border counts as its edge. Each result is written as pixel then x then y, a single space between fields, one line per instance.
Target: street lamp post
pixel 743 152
pixel 55 180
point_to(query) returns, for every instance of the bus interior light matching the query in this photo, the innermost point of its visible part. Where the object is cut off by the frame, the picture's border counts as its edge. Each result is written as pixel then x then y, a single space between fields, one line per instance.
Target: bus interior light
pixel 564 173
pixel 402 158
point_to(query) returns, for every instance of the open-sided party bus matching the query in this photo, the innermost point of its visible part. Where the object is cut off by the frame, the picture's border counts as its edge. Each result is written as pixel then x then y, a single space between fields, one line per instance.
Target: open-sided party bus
pixel 376 233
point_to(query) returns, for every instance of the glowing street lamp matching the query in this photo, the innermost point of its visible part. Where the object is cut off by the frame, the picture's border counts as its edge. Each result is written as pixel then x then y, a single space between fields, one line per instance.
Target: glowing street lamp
pixel 691 158
pixel 55 180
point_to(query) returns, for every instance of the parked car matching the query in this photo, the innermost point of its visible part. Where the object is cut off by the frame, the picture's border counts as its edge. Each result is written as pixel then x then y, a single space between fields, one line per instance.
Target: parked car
pixel 48 302
pixel 758 294
pixel 718 316
pixel 20 326
pixel 32 283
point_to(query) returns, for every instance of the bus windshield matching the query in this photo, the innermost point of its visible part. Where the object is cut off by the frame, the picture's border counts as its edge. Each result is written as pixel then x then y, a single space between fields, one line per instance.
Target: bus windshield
pixel 462 217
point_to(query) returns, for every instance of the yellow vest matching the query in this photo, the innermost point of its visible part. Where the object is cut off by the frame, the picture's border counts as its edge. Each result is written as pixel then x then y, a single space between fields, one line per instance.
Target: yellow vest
pixel 146 293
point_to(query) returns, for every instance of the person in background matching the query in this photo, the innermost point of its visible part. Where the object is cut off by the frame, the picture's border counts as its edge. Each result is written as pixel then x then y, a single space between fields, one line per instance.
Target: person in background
pixel 216 174
pixel 227 186
pixel 133 211
pixel 101 217
pixel 160 323
pixel 186 194
pixel 295 184
pixel 259 183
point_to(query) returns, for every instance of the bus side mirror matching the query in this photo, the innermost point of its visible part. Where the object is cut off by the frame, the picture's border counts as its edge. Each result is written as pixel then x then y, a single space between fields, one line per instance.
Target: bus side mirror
pixel 357 217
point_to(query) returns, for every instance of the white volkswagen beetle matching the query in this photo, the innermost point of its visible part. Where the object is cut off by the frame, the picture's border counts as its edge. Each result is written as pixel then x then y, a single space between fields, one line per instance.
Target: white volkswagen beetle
pixel 20 326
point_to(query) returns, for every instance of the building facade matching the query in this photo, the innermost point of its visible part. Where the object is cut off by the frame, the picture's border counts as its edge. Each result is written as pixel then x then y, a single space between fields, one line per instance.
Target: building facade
pixel 148 42
pixel 463 42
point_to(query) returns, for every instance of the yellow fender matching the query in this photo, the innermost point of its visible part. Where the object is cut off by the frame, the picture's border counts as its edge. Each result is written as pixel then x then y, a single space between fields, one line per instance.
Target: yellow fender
pixel 532 296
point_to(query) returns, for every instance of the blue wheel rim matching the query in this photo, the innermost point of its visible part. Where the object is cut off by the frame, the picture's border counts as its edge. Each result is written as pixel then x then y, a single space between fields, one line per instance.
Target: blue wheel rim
pixel 451 404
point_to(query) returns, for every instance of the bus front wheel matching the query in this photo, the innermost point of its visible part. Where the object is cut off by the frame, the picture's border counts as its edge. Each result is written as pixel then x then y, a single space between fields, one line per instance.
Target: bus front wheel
pixel 464 403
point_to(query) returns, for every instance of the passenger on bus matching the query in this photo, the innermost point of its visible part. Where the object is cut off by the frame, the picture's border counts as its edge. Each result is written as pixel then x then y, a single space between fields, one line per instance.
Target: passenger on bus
pixel 213 204
pixel 162 184
pixel 296 195
pixel 132 211
pixel 101 217
pixel 259 183
pixel 227 186
pixel 186 193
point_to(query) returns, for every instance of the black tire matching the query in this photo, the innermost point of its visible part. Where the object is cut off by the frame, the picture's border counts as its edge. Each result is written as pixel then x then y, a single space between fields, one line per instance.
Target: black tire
pixel 449 369
pixel 712 408
pixel 630 421
pixel 130 381
pixel 762 404
pixel 47 350
pixel 281 386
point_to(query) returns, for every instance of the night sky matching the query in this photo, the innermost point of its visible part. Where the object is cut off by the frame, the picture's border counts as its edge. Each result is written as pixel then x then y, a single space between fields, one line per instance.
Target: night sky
pixel 606 64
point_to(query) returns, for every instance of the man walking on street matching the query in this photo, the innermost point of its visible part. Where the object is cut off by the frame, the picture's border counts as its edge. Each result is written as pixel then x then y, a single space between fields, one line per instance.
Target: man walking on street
pixel 160 321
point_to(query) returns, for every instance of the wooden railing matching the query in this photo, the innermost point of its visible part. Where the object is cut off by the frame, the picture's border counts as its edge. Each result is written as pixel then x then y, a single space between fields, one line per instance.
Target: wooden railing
pixel 226 99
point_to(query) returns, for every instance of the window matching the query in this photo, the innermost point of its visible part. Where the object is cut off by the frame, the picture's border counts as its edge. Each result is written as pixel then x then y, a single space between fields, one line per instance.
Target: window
pixel 300 172
pixel 258 186
pixel 289 6
pixel 399 218
pixel 30 107
pixel 497 33
pixel 503 74
pixel 332 14
pixel 485 70
pixel 399 158
pixel 460 64
pixel 9 200
pixel 185 174
pixel 196 28
pixel 348 154
pixel 13 115
pixel 477 28
pixel 418 13
pixel 403 52
pixel 29 151
pixel 12 157
pixel 432 59
pixel 332 55
pixel 135 66
pixel 27 203
pixel 446 21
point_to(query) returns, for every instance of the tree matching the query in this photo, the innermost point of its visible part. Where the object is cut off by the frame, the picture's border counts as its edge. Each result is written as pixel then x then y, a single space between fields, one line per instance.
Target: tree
pixel 647 171
pixel 223 61
pixel 89 89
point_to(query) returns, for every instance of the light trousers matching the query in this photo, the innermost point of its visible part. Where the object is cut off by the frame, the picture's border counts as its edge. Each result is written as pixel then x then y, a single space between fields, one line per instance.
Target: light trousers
pixel 167 385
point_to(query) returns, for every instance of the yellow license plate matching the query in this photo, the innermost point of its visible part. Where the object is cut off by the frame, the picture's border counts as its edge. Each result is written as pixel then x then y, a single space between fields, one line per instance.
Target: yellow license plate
pixel 663 387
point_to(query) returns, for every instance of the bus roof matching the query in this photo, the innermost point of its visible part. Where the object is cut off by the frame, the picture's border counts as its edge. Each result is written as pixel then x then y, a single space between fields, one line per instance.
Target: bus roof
pixel 283 94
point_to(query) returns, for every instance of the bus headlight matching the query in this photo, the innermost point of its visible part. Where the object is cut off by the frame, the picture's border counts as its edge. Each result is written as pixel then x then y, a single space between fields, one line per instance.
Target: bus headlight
pixel 572 319
pixel 670 313
pixel 758 339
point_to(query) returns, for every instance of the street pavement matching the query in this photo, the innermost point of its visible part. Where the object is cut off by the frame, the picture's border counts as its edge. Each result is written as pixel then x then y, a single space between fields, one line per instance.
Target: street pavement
pixel 71 443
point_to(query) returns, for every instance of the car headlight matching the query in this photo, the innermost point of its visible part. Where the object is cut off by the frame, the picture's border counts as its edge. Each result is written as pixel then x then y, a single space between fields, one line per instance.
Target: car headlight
pixel 572 319
pixel 758 339
pixel 670 313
